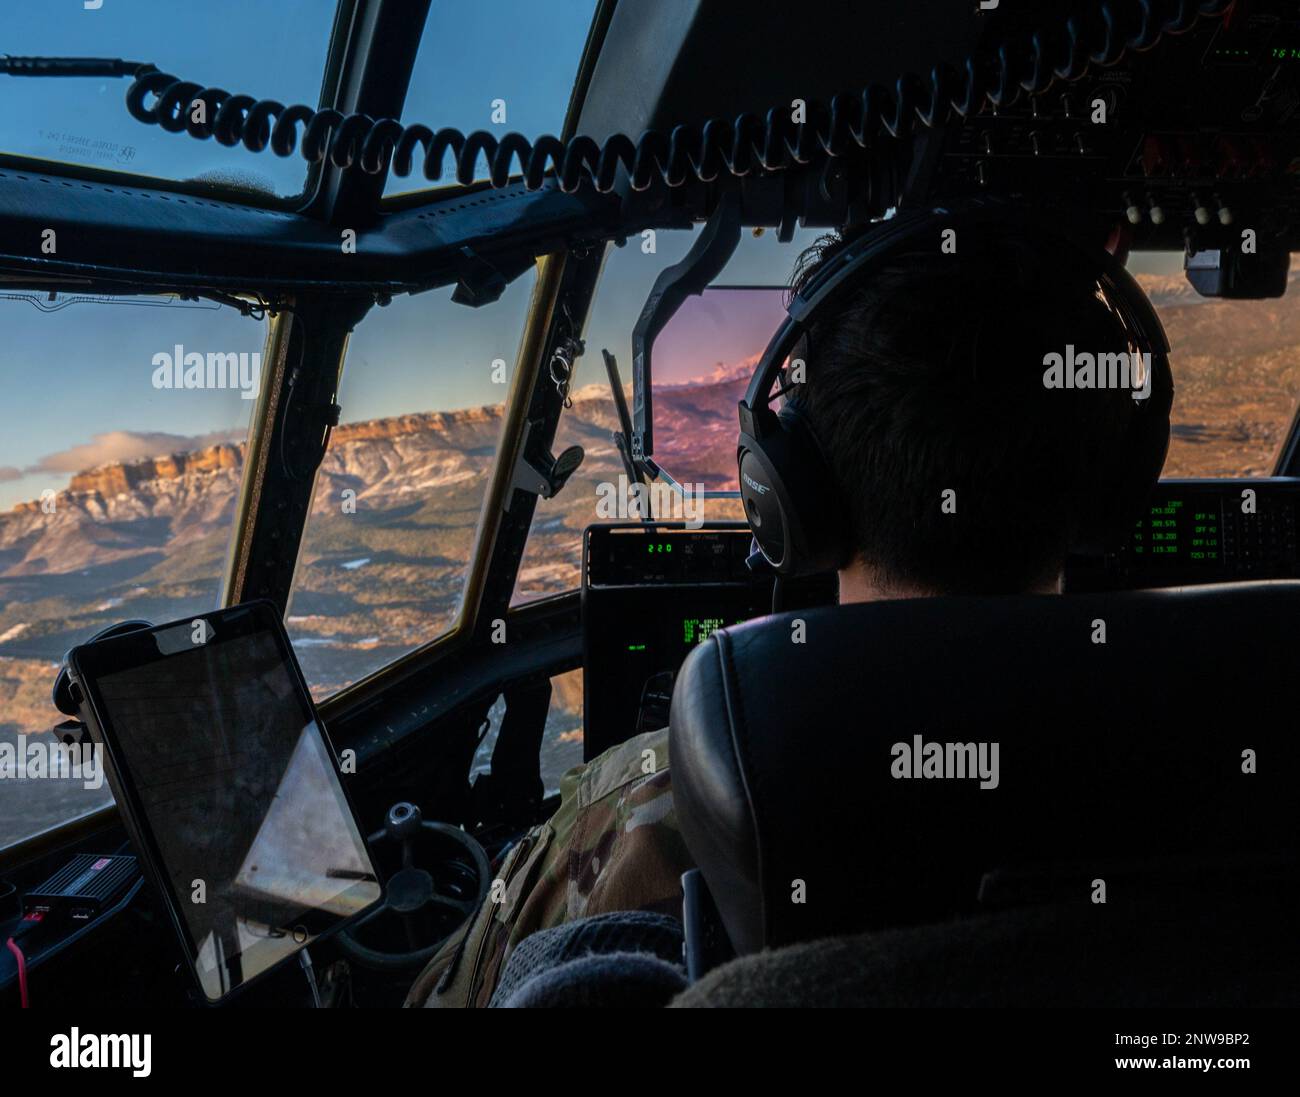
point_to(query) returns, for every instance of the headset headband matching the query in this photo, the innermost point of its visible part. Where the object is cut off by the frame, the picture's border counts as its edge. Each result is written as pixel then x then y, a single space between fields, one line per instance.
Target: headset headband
pixel 843 270
pixel 786 483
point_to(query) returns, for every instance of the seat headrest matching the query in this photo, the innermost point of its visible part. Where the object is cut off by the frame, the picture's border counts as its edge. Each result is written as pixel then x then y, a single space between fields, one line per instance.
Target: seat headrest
pixel 827 764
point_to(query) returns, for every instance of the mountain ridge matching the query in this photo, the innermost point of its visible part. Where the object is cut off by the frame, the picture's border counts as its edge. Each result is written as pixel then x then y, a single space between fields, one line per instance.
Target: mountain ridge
pixel 114 478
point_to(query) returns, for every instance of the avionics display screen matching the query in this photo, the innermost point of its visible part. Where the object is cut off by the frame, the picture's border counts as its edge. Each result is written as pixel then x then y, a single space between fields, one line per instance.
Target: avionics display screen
pixel 1244 530
pixel 232 787
pixel 695 630
pixel 1201 531
pixel 666 642
pixel 650 596
pixel 638 639
pixel 1180 530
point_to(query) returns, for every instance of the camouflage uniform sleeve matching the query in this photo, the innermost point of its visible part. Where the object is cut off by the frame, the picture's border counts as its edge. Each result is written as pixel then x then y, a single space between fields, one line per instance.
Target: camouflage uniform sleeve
pixel 613 844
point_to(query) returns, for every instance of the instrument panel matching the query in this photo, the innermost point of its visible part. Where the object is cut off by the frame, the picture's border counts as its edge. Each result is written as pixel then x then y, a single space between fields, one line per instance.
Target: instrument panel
pixel 651 593
pixel 1202 531
pixel 1185 145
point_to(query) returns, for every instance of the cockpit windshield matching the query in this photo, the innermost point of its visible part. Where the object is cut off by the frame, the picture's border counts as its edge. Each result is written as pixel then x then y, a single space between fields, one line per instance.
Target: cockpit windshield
pixel 83 121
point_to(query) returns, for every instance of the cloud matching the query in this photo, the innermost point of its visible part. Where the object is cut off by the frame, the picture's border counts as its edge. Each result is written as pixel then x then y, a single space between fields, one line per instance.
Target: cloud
pixel 126 445
pixel 8 472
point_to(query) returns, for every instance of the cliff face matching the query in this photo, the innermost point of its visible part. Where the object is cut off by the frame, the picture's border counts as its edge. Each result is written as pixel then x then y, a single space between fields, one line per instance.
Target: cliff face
pixel 114 512
pixel 446 424
pixel 121 511
pixel 111 480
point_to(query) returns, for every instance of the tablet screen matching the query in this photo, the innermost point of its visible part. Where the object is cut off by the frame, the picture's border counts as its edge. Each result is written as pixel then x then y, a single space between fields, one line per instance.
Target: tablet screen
pixel 214 736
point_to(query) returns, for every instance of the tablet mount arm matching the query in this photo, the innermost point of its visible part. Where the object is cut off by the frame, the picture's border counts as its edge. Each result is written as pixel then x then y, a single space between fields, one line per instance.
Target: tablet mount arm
pixel 66 699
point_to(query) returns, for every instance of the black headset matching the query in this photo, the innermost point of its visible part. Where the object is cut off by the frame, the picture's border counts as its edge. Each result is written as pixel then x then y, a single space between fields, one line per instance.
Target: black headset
pixel 791 503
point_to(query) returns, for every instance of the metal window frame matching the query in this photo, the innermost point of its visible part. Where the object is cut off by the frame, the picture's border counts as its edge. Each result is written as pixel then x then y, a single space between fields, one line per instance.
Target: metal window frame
pixel 327 196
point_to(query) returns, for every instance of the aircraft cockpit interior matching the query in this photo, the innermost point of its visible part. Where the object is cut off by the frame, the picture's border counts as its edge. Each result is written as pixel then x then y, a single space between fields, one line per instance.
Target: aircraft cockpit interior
pixel 651 503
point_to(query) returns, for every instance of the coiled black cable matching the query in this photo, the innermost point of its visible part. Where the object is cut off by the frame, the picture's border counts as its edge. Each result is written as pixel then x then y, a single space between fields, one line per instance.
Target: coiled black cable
pixel 687 154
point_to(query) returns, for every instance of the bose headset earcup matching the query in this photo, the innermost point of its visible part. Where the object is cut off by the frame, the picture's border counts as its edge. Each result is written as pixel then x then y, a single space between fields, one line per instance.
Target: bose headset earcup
pixel 789 495
pixel 1122 495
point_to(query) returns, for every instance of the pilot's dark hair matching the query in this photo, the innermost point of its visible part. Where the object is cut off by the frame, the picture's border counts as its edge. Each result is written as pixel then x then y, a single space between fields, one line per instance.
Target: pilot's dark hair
pixel 930 376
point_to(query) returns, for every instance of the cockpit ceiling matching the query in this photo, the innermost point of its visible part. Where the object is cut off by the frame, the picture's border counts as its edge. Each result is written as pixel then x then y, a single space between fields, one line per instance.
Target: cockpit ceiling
pixel 686 61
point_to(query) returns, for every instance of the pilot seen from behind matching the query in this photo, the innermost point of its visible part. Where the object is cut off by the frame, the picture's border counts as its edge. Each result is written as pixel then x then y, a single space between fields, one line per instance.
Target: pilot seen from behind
pixel 927 378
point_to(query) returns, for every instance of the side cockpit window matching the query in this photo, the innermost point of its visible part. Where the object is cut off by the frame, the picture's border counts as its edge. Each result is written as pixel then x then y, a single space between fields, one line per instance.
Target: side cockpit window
pixel 1236 372
pixel 122 440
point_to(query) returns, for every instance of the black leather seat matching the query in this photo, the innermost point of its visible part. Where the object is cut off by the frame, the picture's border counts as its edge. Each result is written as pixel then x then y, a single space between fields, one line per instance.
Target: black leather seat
pixel 1119 761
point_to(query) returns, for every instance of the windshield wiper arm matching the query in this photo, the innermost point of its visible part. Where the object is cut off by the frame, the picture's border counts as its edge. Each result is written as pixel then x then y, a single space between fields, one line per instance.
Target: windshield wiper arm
pixel 73 66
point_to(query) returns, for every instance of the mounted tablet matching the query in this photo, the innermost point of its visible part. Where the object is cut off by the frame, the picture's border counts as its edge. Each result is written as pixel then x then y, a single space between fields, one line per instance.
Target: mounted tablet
pixel 228 787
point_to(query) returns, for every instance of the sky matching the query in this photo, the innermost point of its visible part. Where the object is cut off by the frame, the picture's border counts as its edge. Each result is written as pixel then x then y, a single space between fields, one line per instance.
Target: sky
pixel 716 332
pixel 208 43
pixel 78 386
pixel 525 52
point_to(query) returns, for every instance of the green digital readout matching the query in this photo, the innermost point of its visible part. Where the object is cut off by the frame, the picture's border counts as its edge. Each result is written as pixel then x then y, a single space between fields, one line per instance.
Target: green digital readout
pixel 659 546
pixel 1163 528
pixel 1174 531
pixel 695 630
pixel 1204 542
